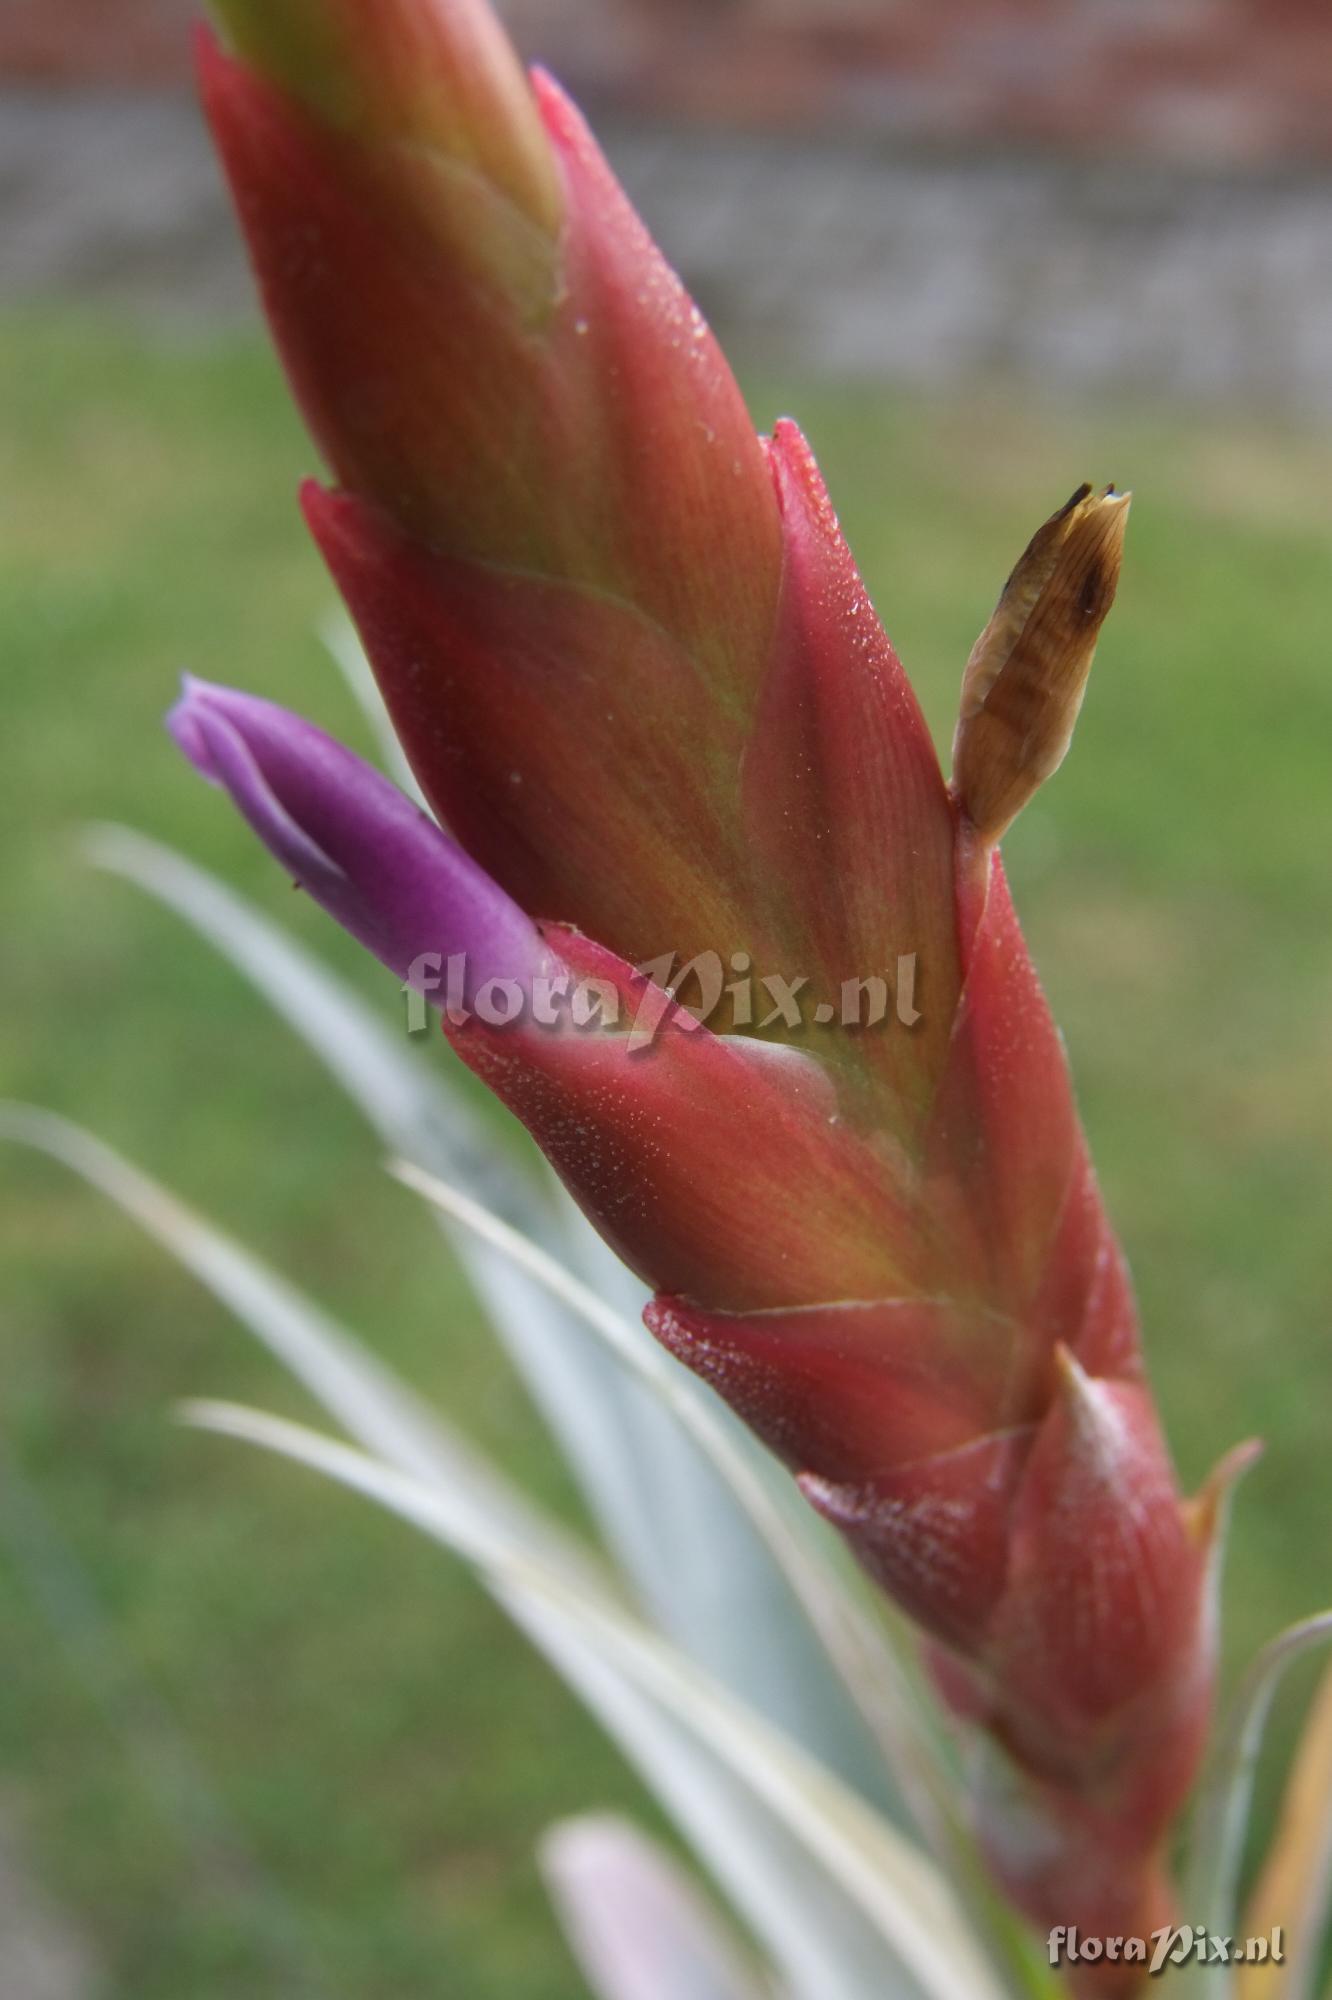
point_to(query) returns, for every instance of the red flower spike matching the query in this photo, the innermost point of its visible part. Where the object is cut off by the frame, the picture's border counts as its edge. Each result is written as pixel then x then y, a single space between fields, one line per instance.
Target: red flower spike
pixel 636 671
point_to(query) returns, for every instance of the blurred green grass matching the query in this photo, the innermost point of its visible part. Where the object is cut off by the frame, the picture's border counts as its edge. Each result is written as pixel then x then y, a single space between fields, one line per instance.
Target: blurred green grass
pixel 370 1755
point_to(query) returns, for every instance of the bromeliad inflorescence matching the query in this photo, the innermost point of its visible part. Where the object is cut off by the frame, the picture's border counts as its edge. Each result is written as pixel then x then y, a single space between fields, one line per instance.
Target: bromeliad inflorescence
pixel 634 668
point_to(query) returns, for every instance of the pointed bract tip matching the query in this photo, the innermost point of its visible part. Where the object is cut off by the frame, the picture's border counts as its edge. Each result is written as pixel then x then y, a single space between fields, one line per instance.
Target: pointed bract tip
pixel 1027 673
pixel 1068 1368
pixel 796 474
pixel 1206 1514
pixel 1076 1390
pixel 1102 1426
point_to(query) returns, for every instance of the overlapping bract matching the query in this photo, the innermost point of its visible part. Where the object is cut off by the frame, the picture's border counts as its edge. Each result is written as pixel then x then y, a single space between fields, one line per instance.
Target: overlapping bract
pixel 635 670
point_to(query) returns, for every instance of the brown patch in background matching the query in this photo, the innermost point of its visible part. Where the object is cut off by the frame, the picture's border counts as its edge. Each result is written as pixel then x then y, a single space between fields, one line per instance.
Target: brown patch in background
pixel 1238 82
pixel 91 42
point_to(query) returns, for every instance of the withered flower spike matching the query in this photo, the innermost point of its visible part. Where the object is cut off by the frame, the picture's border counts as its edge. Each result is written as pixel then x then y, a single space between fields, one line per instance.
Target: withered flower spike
pixel 1027 674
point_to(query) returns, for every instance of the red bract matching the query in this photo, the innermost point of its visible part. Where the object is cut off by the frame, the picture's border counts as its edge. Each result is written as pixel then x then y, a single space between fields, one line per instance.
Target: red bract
pixel 634 667
pixel 468 657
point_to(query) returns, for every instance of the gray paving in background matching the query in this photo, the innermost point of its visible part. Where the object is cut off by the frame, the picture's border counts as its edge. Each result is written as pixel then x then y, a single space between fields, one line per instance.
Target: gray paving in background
pixel 908 268
pixel 114 197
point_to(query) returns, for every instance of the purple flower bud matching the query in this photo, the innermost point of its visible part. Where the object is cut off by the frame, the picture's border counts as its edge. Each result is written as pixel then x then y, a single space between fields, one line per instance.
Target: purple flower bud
pixel 373 860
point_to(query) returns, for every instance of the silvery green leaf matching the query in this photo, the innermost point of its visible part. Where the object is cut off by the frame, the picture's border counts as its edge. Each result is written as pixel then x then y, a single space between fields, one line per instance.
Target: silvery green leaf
pixel 808 1923
pixel 368 1400
pixel 732 1609
pixel 1293 1892
pixel 636 1924
pixel 824 1946
pixel 1221 1815
pixel 928 1951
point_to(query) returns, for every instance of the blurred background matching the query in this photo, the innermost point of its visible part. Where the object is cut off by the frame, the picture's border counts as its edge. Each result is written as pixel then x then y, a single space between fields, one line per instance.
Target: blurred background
pixel 255 1740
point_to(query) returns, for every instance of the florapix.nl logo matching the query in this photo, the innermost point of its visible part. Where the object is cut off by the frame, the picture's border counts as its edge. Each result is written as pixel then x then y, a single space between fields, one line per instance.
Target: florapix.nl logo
pixel 728 996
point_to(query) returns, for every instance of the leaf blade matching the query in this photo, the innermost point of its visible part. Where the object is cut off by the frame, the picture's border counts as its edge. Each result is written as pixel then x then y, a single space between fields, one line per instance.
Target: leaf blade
pixel 635 1922
pixel 1295 1885
pixel 803 1919
pixel 1217 1835
pixel 900 1892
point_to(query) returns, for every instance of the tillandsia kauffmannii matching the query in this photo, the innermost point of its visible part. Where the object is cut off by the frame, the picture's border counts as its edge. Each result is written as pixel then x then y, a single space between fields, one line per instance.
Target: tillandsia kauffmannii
pixel 674 758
